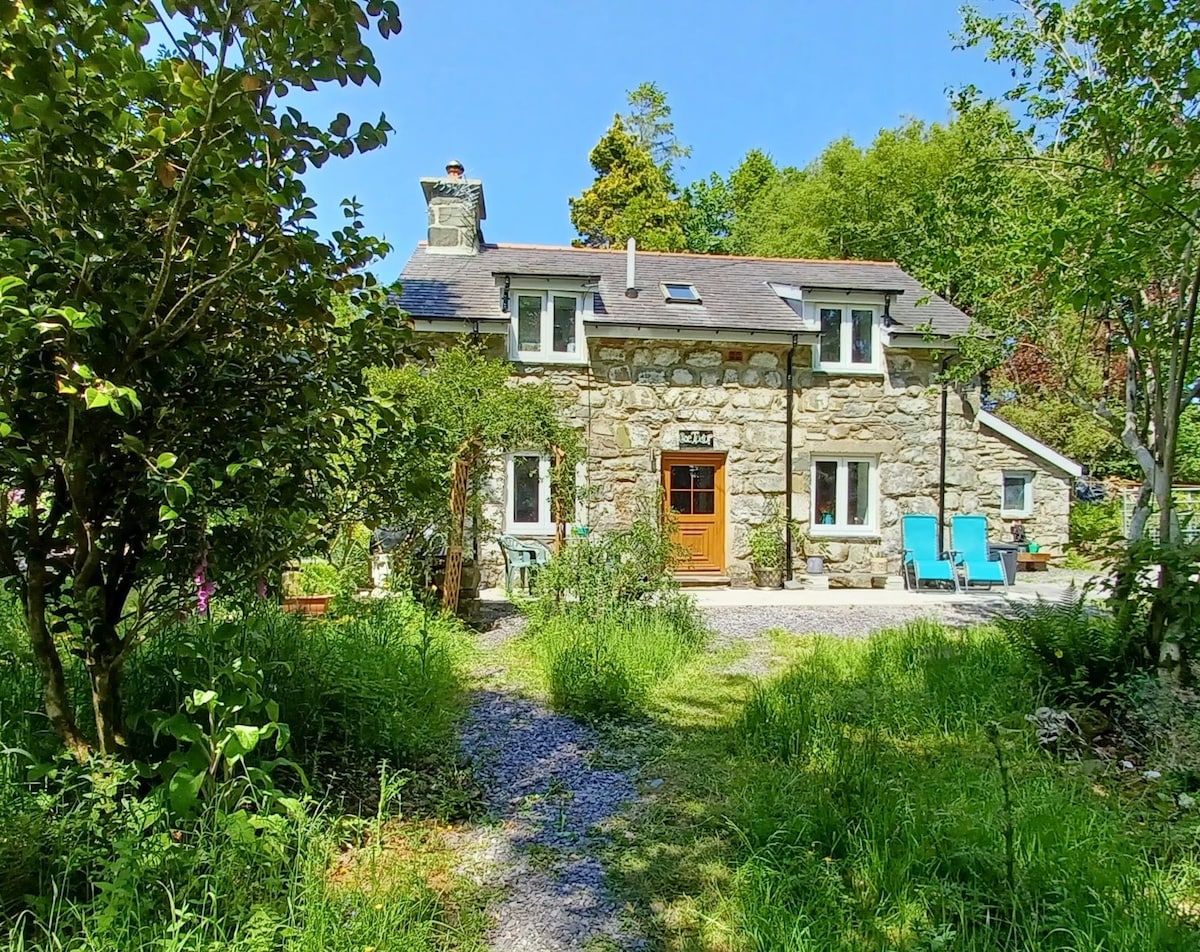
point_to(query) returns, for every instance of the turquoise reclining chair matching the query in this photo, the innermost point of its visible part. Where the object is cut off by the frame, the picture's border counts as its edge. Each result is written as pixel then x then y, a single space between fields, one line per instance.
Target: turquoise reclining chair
pixel 968 539
pixel 922 560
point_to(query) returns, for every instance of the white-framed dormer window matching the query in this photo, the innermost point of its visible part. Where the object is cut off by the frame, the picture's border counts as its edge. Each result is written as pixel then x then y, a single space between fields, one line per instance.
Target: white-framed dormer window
pixel 845 496
pixel 849 337
pixel 527 495
pixel 1016 494
pixel 547 326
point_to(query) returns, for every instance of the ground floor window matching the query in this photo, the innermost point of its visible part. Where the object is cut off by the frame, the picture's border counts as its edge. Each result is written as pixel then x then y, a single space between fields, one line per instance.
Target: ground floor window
pixel 1016 495
pixel 843 496
pixel 527 508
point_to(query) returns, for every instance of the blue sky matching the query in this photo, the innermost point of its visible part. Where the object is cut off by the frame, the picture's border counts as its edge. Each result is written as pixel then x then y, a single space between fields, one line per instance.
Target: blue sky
pixel 520 91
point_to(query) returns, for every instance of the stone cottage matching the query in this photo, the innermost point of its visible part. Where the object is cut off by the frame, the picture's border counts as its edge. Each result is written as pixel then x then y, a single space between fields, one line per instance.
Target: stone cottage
pixel 740 386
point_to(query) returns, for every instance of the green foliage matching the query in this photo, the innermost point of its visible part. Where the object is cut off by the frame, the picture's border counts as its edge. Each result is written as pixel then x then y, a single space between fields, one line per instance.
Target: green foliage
pixel 1084 655
pixel 649 119
pixel 317 577
pixel 1095 526
pixel 630 565
pixel 1058 422
pixel 90 859
pixel 605 665
pixel 177 379
pixel 462 397
pixel 631 197
pixel 1155 598
pixel 855 802
pixel 768 541
pixel 1113 236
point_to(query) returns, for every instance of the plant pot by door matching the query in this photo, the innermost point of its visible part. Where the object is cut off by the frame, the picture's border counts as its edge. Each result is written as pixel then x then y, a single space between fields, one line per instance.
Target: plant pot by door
pixel 768 578
pixel 816 565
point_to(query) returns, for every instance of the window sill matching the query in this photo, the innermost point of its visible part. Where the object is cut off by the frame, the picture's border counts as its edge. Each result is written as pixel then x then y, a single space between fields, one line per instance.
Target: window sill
pixel 856 370
pixel 1016 515
pixel 844 532
pixel 531 531
pixel 569 360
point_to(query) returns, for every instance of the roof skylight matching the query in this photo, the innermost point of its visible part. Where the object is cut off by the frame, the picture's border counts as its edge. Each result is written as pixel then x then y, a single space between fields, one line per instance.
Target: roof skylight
pixel 678 293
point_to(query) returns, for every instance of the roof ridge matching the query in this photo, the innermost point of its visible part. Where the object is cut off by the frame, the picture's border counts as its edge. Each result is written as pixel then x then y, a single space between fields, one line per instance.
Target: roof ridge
pixel 516 246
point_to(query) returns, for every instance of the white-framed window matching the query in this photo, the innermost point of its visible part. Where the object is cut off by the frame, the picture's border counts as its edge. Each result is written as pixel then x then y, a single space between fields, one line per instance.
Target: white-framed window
pixel 680 292
pixel 845 496
pixel 849 337
pixel 1016 494
pixel 527 494
pixel 547 326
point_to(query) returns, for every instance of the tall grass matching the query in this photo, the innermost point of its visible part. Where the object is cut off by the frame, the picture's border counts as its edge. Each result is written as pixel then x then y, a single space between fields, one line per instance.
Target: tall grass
pixel 870 813
pixel 92 856
pixel 605 664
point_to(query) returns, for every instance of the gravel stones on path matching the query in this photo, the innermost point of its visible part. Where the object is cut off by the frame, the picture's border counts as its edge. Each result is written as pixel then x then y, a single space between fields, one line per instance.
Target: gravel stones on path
pixel 551 810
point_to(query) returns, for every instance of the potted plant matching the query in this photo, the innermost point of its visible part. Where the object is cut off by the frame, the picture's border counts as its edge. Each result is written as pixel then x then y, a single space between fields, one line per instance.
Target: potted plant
pixel 814 557
pixel 310 590
pixel 767 552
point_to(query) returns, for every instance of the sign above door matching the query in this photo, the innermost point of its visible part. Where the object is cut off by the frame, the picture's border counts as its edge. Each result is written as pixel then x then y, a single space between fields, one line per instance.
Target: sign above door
pixel 696 439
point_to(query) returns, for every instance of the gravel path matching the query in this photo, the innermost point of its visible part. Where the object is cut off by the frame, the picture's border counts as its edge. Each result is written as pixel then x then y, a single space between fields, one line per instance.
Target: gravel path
pixel 551 810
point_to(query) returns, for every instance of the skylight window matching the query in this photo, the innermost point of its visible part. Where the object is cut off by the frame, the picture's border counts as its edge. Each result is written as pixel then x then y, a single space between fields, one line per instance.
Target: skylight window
pixel 681 294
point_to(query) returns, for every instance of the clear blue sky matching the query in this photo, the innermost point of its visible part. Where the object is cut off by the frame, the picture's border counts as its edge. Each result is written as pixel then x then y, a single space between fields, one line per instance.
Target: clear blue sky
pixel 520 91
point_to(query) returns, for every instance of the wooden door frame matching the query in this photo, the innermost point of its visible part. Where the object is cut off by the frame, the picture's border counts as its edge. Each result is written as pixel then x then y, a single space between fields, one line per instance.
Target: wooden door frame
pixel 669 458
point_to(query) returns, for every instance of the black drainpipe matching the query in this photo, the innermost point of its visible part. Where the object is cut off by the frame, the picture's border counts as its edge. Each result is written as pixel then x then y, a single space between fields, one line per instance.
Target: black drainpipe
pixel 942 466
pixel 787 451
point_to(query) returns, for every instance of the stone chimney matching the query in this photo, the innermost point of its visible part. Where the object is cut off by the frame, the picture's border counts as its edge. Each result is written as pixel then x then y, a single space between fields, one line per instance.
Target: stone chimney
pixel 455 210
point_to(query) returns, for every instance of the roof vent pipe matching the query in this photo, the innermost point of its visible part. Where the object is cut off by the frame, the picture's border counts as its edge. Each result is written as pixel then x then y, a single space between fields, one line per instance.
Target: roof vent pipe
pixel 631 268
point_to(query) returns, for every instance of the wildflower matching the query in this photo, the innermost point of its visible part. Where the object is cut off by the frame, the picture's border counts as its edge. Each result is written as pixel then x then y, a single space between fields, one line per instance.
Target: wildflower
pixel 1151 774
pixel 1058 652
pixel 378 907
pixel 262 588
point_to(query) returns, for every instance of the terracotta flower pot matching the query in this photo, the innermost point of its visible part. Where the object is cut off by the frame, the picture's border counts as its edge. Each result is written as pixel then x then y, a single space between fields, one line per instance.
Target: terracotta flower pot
pixel 307 604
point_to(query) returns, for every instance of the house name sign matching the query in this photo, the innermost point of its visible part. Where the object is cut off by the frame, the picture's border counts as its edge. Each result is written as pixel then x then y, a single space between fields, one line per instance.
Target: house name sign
pixel 696 439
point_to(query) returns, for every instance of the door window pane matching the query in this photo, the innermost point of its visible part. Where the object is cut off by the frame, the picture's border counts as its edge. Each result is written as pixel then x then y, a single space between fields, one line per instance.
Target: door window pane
pixel 861 329
pixel 825 493
pixel 527 489
pixel 529 323
pixel 704 502
pixel 681 501
pixel 831 335
pixel 681 477
pixel 564 325
pixel 704 477
pixel 858 492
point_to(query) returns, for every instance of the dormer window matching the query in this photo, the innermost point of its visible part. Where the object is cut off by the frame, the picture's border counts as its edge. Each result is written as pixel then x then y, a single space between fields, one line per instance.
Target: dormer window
pixel 547 326
pixel 849 339
pixel 680 293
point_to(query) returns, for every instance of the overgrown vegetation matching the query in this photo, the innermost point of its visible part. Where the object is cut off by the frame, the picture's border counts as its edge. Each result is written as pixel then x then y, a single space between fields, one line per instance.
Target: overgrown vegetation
pixel 610 621
pixel 262 806
pixel 890 794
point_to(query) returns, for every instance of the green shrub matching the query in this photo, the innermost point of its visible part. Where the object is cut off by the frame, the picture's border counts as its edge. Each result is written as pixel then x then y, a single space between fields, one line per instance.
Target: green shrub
pixel 1095 526
pixel 1084 654
pixel 606 664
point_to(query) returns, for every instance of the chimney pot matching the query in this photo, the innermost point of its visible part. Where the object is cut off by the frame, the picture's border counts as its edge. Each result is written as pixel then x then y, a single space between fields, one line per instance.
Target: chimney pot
pixel 454 169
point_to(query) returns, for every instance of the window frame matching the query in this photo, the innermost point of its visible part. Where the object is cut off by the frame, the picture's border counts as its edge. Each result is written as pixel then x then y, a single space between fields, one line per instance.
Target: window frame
pixel 546 354
pixel 545 527
pixel 670 298
pixel 844 529
pixel 846 365
pixel 1027 476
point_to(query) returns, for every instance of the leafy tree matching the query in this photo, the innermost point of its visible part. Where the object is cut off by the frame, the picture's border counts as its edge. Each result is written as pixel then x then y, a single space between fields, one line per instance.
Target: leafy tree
pixel 632 197
pixel 176 390
pixel 1112 85
pixel 649 118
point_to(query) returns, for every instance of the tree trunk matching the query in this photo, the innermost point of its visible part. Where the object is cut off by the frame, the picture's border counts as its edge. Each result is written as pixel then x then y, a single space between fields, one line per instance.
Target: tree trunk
pixel 54 686
pixel 106 675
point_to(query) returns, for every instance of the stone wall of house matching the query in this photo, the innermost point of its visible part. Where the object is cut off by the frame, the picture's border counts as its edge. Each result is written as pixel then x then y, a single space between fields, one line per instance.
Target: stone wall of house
pixel 633 398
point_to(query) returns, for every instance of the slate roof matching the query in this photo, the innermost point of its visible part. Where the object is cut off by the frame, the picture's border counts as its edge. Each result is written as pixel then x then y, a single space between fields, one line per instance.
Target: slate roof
pixel 734 290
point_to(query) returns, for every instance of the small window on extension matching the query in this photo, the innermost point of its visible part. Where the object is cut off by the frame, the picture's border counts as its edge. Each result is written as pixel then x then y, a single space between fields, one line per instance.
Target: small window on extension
pixel 680 293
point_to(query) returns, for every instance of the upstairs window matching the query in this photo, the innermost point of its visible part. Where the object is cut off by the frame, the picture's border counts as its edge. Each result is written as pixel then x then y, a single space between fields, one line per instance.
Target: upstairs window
pixel 679 293
pixel 848 338
pixel 547 327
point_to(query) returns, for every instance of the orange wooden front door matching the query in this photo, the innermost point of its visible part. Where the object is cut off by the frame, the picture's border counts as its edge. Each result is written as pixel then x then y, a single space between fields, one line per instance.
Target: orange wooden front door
pixel 694 484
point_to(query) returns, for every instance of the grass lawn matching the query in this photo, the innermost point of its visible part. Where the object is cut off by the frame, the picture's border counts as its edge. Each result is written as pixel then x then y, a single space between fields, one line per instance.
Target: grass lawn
pixel 856 800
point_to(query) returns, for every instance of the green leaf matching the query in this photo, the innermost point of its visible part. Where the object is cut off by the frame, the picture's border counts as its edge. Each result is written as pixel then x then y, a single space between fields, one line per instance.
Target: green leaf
pixel 166 460
pixel 340 125
pixel 183 790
